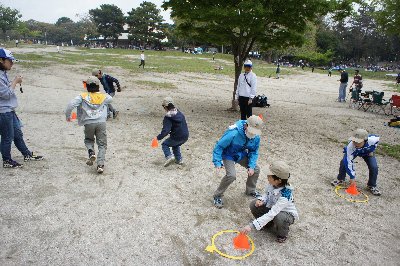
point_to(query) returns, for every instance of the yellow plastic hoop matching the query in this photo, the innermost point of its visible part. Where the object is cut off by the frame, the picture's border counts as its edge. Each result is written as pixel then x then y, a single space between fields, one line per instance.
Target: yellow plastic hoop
pixel 351 200
pixel 213 248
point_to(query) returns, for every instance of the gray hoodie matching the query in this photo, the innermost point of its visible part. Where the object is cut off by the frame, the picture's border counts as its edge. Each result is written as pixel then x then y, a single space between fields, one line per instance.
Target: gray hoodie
pixel 8 99
pixel 91 106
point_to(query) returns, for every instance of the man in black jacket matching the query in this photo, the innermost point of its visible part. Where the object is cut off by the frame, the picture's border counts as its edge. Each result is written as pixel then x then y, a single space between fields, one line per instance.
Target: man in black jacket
pixel 344 79
pixel 174 124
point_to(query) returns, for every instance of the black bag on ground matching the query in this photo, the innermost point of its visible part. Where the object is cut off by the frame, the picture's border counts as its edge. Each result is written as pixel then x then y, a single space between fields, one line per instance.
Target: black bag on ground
pixel 260 101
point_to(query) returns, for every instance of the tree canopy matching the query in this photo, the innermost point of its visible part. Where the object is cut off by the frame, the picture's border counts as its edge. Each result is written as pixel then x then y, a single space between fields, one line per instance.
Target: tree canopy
pixel 146 24
pixel 242 23
pixel 109 20
pixel 9 18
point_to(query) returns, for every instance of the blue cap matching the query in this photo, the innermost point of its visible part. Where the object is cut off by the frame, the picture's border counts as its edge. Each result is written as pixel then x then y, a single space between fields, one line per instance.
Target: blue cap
pixel 7 54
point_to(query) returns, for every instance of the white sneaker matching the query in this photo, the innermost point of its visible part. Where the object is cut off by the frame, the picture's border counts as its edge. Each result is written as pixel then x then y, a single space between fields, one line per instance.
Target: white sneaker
pixel 169 160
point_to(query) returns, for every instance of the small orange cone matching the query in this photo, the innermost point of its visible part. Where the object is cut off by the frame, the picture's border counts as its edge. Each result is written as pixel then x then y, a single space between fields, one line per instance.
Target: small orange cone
pixel 154 143
pixel 261 116
pixel 84 84
pixel 241 242
pixel 352 189
pixel 73 116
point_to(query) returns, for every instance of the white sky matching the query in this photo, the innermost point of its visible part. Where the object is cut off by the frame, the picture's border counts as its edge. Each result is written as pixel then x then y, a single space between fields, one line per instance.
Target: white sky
pixel 51 10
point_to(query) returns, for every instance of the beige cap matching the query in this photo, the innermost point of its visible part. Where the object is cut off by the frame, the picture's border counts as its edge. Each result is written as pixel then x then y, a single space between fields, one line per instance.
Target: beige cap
pixel 359 135
pixel 280 169
pixel 167 101
pixel 95 72
pixel 254 125
pixel 92 80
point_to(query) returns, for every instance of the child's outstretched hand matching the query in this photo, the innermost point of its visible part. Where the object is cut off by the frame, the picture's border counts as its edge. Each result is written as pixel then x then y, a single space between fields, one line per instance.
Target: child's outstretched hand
pixel 245 230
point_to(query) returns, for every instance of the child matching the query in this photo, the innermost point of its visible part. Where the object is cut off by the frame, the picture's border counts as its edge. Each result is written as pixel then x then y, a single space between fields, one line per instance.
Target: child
pixel 10 126
pixel 363 145
pixel 108 84
pixel 276 207
pixel 239 144
pixel 174 124
pixel 142 59
pixel 92 113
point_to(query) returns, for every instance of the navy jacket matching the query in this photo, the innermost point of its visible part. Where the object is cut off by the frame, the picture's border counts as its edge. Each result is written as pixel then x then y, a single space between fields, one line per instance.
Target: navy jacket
pixel 344 77
pixel 108 83
pixel 174 124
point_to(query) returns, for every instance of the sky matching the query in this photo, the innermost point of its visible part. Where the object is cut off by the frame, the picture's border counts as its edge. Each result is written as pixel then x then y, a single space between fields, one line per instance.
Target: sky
pixel 51 10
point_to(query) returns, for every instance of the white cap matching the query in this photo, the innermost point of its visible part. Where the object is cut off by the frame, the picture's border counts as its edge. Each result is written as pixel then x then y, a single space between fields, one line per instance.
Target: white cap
pixel 248 63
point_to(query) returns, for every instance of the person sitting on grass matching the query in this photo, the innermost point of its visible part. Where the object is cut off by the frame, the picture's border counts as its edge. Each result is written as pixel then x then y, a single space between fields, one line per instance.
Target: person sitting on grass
pixel 361 145
pixel 92 114
pixel 174 124
pixel 276 206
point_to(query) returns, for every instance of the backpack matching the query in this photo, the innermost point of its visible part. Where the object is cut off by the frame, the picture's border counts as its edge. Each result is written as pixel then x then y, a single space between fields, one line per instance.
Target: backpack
pixel 260 101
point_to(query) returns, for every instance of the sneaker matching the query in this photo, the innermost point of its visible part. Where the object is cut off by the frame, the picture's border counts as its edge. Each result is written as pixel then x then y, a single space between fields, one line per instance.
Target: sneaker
pixel 255 194
pixel 100 169
pixel 180 162
pixel 115 114
pixel 169 160
pixel 374 191
pixel 336 183
pixel 11 164
pixel 92 158
pixel 33 157
pixel 218 203
pixel 281 239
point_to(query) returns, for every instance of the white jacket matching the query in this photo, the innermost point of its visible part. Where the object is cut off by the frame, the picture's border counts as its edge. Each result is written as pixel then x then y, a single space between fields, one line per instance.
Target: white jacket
pixel 243 87
pixel 277 199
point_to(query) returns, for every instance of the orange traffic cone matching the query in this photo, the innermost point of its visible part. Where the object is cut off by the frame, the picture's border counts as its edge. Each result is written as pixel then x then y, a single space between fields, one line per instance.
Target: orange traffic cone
pixel 241 242
pixel 261 116
pixel 84 84
pixel 154 143
pixel 73 116
pixel 352 189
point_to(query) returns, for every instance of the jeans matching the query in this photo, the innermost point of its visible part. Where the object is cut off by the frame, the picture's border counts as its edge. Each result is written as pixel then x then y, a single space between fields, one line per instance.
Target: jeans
pixel 230 177
pixel 372 166
pixel 110 107
pixel 98 130
pixel 245 108
pixel 342 92
pixel 10 130
pixel 176 148
pixel 282 220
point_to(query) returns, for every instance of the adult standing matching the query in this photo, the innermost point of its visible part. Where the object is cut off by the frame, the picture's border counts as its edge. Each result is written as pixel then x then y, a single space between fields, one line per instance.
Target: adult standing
pixel 246 90
pixel 142 59
pixel 278 71
pixel 10 125
pixel 239 144
pixel 344 79
pixel 16 43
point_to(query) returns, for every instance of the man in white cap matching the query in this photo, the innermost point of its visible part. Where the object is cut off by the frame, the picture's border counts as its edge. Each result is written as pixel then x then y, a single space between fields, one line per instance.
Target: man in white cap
pixel 361 145
pixel 239 144
pixel 246 90
pixel 10 125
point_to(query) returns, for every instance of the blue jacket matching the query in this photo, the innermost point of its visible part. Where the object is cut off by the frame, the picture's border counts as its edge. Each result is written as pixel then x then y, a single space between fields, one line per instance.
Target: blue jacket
pixel 108 83
pixel 351 152
pixel 234 146
pixel 174 123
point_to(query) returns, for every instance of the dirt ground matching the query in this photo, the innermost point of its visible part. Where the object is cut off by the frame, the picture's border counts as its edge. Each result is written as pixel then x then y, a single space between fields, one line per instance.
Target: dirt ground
pixel 61 212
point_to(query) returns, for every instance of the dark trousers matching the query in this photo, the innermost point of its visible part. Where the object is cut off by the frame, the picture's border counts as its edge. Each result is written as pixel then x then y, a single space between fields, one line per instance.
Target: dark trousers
pixel 141 63
pixel 10 130
pixel 372 167
pixel 245 108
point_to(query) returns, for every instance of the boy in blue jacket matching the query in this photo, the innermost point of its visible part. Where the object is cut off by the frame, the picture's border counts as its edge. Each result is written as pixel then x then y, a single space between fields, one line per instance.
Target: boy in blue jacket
pixel 174 124
pixel 108 84
pixel 361 145
pixel 239 144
